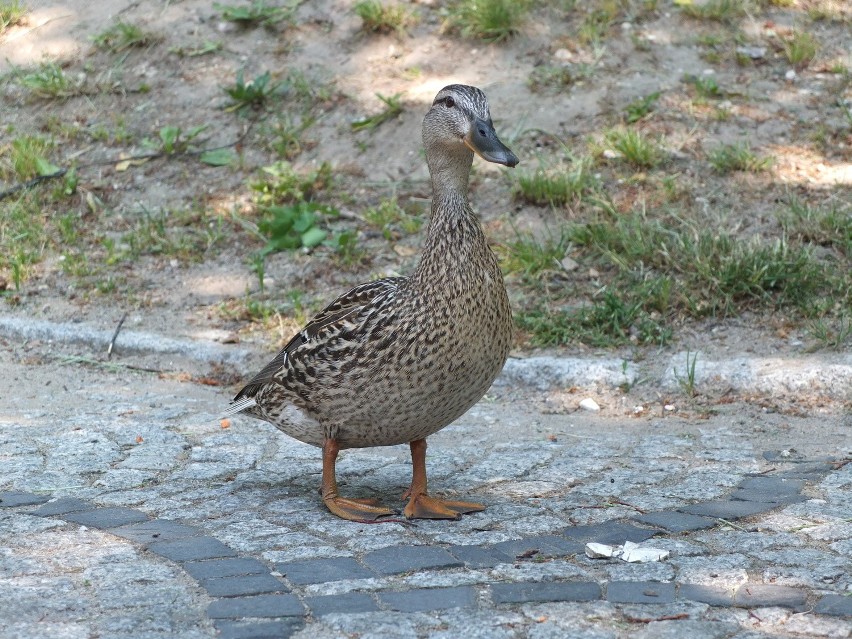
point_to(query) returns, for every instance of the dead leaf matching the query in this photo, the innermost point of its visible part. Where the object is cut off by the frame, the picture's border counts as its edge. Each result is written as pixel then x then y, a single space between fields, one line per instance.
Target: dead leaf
pixel 225 423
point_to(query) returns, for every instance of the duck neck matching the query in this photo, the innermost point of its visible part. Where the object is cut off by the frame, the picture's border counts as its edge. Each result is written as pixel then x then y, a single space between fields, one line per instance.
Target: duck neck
pixel 454 235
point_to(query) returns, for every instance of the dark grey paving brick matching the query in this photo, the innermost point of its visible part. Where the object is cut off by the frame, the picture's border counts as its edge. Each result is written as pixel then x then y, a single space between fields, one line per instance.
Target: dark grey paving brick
pixel 767 497
pixel 429 599
pixel 263 606
pixel 674 521
pixel 106 517
pixel 773 484
pixel 155 530
pixel 546 545
pixel 762 595
pixel 13 498
pixel 317 571
pixel 398 559
pixel 242 585
pixel 226 567
pixel 837 605
pixel 640 592
pixel 258 630
pixel 477 556
pixel 711 595
pixel 808 470
pixel 62 506
pixel 728 509
pixel 191 549
pixel 544 592
pixel 610 532
pixel 347 602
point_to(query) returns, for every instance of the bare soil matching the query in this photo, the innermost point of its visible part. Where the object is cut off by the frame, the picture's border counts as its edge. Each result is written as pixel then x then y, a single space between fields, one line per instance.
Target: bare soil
pixel 794 114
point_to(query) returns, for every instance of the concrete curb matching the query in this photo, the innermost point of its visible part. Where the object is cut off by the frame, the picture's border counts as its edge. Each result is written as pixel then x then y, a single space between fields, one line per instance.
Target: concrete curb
pixel 828 375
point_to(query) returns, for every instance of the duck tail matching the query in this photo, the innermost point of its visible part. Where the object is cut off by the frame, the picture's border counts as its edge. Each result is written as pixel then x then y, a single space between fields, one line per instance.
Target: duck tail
pixel 238 406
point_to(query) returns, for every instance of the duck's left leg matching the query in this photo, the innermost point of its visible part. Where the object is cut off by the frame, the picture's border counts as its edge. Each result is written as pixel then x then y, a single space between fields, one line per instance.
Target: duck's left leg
pixel 421 505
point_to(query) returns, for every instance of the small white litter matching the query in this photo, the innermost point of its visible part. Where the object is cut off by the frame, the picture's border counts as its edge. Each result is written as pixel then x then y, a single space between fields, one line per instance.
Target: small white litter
pixel 630 552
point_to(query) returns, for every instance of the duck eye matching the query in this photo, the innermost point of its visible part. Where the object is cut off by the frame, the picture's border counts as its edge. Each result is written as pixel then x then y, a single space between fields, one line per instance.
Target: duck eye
pixel 449 102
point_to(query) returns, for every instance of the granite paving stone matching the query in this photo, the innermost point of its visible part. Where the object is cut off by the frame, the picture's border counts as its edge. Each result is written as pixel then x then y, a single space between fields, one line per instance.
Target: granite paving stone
pixel 155 530
pixel 315 571
pixel 768 497
pixel 770 484
pixel 477 556
pixel 106 517
pixel 728 509
pixel 282 629
pixel 251 553
pixel 241 585
pixel 543 592
pixel 764 595
pixel 640 592
pixel 61 506
pixel 264 606
pixel 423 599
pixel 398 559
pixel 544 545
pixel 711 595
pixel 610 532
pixel 15 498
pixel 837 605
pixel 347 602
pixel 225 567
pixel 674 521
pixel 191 549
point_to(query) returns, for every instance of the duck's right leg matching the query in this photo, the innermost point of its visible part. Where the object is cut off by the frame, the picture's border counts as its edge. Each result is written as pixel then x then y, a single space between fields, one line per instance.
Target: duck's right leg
pixel 351 509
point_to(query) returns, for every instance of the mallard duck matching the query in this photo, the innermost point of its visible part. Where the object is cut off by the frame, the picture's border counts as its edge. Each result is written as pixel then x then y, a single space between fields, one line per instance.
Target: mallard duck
pixel 395 360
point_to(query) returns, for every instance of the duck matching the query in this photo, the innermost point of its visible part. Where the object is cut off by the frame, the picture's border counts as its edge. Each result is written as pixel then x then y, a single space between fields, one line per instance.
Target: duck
pixel 395 360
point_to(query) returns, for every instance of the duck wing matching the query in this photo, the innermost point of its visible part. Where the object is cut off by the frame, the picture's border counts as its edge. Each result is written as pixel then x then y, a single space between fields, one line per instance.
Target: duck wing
pixel 329 320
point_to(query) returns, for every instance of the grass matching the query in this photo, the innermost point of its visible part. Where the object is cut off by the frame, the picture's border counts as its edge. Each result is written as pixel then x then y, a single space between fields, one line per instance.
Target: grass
pixel 252 94
pixel 49 81
pixel 715 10
pixel 28 158
pixel 633 147
pixel 489 20
pixel 686 381
pixel 531 259
pixel 377 17
pixel 553 78
pixel 12 13
pixel 737 157
pixel 705 86
pixel 392 220
pixel 282 184
pixel 641 107
pixel 620 314
pixel 393 107
pixel 826 227
pixel 123 36
pixel 558 185
pixel 258 13
pixel 656 272
pixel 800 49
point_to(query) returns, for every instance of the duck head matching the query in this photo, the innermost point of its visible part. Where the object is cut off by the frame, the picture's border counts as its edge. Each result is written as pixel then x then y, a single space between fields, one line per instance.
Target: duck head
pixel 459 124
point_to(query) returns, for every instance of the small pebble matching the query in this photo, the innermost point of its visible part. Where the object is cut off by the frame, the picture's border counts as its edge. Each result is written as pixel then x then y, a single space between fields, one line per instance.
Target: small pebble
pixel 589 404
pixel 790 75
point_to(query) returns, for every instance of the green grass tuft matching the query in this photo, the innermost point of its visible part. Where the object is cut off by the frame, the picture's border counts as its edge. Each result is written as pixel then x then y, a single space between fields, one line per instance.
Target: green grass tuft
pixel 12 13
pixel 122 36
pixel 489 20
pixel 800 49
pixel 737 157
pixel 634 147
pixel 377 17
pixel 558 185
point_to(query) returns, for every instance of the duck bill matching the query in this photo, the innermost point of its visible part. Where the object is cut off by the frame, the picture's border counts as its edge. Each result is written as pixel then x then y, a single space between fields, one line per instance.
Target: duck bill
pixel 483 140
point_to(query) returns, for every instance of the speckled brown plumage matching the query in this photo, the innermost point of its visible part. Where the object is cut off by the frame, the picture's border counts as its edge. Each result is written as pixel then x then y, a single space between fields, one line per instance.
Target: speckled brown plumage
pixel 395 360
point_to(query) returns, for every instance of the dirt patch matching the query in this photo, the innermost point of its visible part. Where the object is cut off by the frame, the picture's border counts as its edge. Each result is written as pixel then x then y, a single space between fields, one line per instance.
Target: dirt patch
pixel 555 89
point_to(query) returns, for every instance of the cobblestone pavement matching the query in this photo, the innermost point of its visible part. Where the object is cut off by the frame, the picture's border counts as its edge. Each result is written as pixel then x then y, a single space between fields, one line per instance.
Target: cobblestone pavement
pixel 127 510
